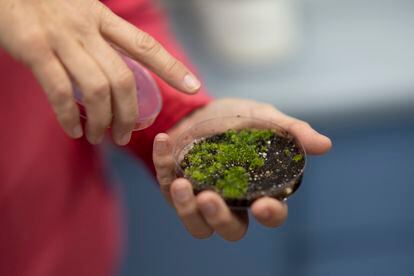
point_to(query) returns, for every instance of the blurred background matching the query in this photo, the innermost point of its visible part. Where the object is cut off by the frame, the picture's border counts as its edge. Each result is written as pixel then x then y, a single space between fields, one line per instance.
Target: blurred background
pixel 347 67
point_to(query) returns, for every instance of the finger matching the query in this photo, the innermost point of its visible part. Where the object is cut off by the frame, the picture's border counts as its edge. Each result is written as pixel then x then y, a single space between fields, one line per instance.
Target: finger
pixel 94 87
pixel 269 211
pixel 123 88
pixel 144 48
pixel 164 163
pixel 185 203
pixel 312 141
pixel 228 225
pixel 53 78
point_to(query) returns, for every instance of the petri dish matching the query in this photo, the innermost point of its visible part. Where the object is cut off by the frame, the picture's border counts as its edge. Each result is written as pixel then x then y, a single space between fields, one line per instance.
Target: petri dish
pixel 280 184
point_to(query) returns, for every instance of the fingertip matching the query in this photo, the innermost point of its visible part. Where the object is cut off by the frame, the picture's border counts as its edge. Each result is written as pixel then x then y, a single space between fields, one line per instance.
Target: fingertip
pixel 181 191
pixel 231 226
pixel 161 137
pixel 180 183
pixel 206 197
pixel 321 144
pixel 191 84
pixel 94 139
pixel 161 144
pixel 327 142
pixel 124 139
pixel 313 141
pixel 203 234
pixel 269 212
pixel 77 132
pixel 208 202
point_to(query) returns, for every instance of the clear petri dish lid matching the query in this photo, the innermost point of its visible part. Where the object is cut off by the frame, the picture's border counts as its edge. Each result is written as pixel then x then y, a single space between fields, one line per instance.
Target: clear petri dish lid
pixel 148 95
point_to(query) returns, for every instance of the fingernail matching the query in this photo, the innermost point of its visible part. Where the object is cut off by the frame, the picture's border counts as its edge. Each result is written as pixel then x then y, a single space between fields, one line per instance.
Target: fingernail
pixel 182 194
pixel 125 138
pixel 191 83
pixel 77 131
pixel 161 146
pixel 209 209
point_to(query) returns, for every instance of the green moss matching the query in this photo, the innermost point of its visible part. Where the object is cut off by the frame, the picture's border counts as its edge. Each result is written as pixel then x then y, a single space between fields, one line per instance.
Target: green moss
pixel 297 157
pixel 287 152
pixel 234 183
pixel 224 162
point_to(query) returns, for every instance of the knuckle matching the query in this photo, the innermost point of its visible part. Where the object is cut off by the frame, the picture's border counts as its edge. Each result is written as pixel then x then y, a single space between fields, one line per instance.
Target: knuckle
pixel 186 213
pixel 98 8
pixel 99 91
pixel 306 124
pixel 52 32
pixel 261 109
pixel 268 107
pixel 84 28
pixel 60 94
pixel 164 181
pixel 99 124
pixel 164 164
pixel 103 14
pixel 82 25
pixel 107 22
pixel 34 37
pixel 146 44
pixel 171 67
pixel 300 123
pixel 125 81
pixel 164 187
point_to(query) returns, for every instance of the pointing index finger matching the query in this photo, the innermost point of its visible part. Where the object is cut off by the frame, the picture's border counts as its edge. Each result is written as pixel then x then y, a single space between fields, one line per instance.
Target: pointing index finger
pixel 142 47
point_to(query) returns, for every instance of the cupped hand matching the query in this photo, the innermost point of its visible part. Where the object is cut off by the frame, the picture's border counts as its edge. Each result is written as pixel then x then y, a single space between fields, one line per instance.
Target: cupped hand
pixel 206 213
pixel 63 41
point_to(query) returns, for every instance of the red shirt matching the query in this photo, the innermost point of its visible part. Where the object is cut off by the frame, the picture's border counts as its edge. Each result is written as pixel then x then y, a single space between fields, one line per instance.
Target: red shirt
pixel 58 215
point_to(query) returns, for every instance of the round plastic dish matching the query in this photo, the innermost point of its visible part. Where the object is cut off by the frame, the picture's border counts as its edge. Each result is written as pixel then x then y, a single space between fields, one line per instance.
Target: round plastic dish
pixel 148 96
pixel 215 126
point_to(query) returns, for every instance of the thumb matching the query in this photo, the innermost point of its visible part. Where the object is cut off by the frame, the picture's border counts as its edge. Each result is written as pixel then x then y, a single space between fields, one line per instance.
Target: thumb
pixel 164 163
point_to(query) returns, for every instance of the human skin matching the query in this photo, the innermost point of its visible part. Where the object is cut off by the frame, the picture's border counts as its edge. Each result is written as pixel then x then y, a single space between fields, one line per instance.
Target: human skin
pixel 64 41
pixel 206 213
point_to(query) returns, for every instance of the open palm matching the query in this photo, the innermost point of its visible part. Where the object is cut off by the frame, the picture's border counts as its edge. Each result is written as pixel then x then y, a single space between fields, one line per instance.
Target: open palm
pixel 206 213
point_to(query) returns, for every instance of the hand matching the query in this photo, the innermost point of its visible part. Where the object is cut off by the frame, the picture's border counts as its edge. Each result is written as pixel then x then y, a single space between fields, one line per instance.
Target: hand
pixel 65 40
pixel 206 213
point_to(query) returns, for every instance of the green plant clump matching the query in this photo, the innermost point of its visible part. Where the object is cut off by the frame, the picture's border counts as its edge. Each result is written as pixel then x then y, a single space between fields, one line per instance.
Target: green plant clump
pixel 226 162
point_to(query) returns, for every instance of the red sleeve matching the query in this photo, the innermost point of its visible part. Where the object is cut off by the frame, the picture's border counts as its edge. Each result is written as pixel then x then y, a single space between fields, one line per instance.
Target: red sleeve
pixel 176 105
